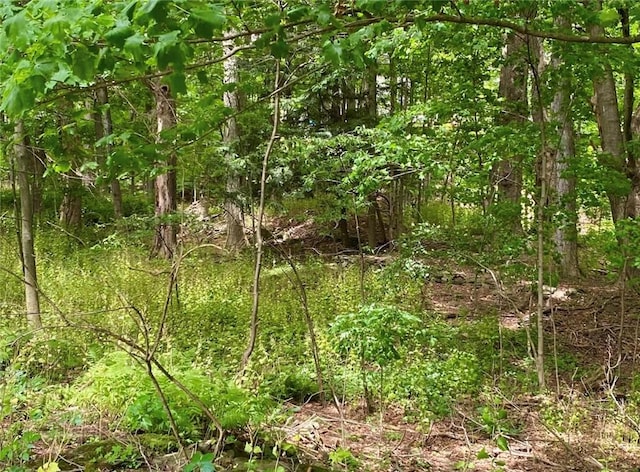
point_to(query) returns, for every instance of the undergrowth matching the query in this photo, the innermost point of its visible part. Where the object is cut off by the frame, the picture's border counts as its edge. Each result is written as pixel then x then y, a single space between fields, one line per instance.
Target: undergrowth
pixel 383 340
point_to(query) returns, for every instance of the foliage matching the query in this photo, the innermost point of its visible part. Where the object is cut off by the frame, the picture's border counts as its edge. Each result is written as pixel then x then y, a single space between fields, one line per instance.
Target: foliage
pixel 374 333
pixel 345 458
pixel 200 462
pixel 119 386
pixel 17 450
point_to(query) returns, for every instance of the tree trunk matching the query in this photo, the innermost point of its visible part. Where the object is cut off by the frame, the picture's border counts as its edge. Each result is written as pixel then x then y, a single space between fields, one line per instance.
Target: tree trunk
pixel 393 85
pixel 104 127
pixel 27 249
pixel 70 212
pixel 39 159
pixel 629 118
pixel 370 92
pixel 372 223
pixel 611 138
pixel 71 206
pixel 230 136
pixel 507 173
pixel 562 181
pixel 165 184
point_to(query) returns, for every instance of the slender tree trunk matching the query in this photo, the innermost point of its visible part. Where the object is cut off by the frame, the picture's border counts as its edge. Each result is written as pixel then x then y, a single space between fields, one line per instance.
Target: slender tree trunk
pixel 104 127
pixel 39 158
pixel 165 184
pixel 71 205
pixel 230 137
pixel 393 85
pixel 372 217
pixel 27 248
pixel 507 174
pixel 253 330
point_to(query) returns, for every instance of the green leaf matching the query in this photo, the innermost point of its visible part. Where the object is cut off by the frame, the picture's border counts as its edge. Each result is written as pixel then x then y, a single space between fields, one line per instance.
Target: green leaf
pixel 150 6
pixel 272 21
pixel 608 17
pixel 502 443
pixel 280 49
pixel 17 99
pixel 62 167
pixel 167 50
pixel 214 15
pixel 208 19
pixel 298 13
pixel 17 30
pixel 130 9
pixel 324 15
pixel 373 6
pixel 134 46
pixel 202 76
pixel 83 63
pixel 483 454
pixel 119 35
pixel 178 83
pixel 332 51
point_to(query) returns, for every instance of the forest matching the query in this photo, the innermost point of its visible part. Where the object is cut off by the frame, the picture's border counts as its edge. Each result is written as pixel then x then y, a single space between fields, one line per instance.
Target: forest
pixel 319 235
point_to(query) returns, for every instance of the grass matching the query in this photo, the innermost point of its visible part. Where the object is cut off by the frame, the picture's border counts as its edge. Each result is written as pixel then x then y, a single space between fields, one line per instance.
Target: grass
pixel 112 285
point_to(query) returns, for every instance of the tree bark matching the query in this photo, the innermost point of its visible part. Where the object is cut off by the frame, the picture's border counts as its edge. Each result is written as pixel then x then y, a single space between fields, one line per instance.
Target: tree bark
pixel 104 127
pixel 370 93
pixel 562 181
pixel 611 138
pixel 71 206
pixel 507 173
pixel 27 249
pixel 165 184
pixel 230 137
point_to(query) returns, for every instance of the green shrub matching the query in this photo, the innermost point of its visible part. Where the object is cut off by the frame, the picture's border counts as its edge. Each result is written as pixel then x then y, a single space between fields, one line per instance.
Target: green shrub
pixel 120 386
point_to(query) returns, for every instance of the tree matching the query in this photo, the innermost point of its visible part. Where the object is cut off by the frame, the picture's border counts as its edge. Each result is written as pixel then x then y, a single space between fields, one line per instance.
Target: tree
pixel 507 174
pixel 230 137
pixel 562 181
pixel 104 128
pixel 165 183
pixel 27 249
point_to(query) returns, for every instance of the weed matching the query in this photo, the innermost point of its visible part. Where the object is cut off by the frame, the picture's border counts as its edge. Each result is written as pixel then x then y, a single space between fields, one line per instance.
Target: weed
pixel 344 458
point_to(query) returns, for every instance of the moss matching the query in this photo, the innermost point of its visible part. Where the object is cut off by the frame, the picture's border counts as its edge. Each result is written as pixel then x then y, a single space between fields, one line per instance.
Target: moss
pixel 161 443
pixel 100 455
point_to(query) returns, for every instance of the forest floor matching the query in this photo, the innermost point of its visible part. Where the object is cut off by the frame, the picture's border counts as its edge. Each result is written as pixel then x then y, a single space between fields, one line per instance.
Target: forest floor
pixel 581 424
pixel 586 319
pixel 595 319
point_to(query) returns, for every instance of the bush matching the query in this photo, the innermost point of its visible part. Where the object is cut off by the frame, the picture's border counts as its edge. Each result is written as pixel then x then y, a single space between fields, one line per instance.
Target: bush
pixel 119 386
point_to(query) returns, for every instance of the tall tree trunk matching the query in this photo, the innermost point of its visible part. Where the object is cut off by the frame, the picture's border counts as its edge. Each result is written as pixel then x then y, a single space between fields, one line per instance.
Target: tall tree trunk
pixel 562 181
pixel 27 248
pixel 104 127
pixel 632 209
pixel 230 137
pixel 507 174
pixel 611 138
pixel 165 183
